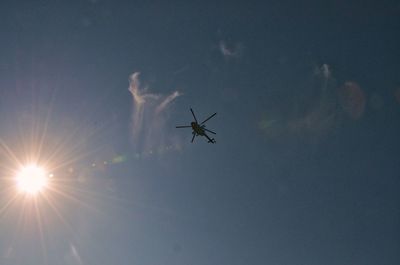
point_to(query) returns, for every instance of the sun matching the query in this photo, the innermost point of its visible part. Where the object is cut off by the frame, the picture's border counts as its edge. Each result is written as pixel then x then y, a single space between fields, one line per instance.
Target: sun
pixel 32 179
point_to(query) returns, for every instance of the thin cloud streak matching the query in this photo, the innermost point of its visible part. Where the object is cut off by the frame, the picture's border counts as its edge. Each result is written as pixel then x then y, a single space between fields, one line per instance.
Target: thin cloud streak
pixel 73 257
pixel 318 120
pixel 228 52
pixel 166 101
pixel 149 116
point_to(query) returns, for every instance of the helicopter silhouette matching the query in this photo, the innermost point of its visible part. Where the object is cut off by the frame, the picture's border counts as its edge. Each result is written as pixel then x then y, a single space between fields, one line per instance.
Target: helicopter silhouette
pixel 199 129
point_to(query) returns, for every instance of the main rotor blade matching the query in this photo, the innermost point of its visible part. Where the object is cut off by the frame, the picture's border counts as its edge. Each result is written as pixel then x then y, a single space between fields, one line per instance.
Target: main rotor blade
pixel 194 135
pixel 209 118
pixel 185 126
pixel 209 131
pixel 193 115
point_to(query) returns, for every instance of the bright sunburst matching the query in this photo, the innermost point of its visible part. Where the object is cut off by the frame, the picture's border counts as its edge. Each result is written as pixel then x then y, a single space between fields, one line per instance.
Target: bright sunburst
pixel 32 179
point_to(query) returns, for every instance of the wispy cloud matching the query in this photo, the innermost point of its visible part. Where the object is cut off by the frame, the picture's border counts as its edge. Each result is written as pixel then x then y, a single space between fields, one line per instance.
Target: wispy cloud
pixel 149 116
pixel 318 109
pixel 166 101
pixel 73 257
pixel 323 73
pixel 229 51
pixel 321 117
pixel 326 71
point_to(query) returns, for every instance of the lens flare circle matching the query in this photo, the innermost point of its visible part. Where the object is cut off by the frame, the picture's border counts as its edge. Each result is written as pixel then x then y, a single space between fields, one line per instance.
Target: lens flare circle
pixel 31 179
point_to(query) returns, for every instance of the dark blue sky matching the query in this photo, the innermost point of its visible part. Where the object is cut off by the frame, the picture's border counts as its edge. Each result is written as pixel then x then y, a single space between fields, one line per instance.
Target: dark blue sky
pixel 306 166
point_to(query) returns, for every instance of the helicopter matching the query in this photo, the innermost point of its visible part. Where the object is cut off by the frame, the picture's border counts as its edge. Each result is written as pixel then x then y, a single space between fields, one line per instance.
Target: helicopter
pixel 199 129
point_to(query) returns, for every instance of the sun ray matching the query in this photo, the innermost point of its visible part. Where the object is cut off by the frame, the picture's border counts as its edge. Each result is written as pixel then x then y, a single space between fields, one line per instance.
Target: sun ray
pixel 10 153
pixel 40 229
pixel 46 124
pixel 74 199
pixel 73 159
pixel 7 205
pixel 58 213
pixel 19 222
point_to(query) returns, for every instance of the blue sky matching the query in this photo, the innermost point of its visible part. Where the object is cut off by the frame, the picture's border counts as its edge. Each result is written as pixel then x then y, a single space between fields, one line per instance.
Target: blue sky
pixel 305 169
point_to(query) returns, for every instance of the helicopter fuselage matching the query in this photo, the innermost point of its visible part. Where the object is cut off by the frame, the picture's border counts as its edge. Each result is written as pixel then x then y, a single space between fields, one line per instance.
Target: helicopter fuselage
pixel 199 130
